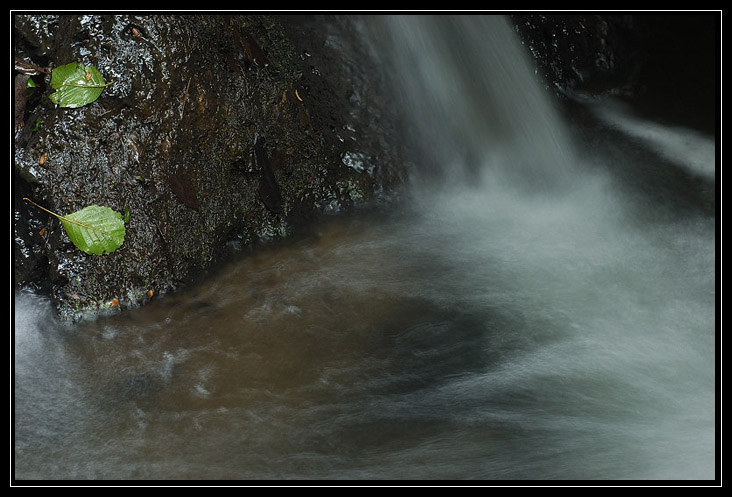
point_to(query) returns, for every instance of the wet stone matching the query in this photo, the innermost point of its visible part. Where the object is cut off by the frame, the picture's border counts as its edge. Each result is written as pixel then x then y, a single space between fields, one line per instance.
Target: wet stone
pixel 166 140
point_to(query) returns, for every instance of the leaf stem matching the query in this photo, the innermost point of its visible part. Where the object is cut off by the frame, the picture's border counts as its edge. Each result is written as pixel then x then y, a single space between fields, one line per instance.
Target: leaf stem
pixel 42 208
pixel 62 218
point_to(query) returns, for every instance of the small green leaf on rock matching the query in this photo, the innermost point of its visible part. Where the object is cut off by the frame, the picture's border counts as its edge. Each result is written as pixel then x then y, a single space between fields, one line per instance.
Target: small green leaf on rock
pixel 76 85
pixel 30 88
pixel 94 229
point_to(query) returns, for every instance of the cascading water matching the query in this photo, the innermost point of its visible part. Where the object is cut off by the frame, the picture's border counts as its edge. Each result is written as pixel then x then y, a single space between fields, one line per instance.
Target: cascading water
pixel 473 104
pixel 543 310
pixel 597 276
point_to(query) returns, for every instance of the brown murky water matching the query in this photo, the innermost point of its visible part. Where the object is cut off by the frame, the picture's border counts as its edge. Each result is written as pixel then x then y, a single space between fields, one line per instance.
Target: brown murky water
pixel 367 351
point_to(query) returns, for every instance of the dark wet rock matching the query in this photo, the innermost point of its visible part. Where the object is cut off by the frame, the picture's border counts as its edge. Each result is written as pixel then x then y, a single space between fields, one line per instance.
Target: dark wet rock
pixel 589 54
pixel 269 190
pixel 173 142
pixel 666 63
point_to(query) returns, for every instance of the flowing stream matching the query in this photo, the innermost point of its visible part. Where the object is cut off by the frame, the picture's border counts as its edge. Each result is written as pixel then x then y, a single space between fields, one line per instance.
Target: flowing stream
pixel 545 310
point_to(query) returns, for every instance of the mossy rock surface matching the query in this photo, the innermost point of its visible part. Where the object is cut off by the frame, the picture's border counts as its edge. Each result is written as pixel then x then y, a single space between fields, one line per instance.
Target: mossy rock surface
pixel 172 141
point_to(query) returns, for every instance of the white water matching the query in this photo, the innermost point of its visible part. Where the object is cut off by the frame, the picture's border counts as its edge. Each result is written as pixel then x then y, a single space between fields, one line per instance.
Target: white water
pixel 503 326
pixel 682 146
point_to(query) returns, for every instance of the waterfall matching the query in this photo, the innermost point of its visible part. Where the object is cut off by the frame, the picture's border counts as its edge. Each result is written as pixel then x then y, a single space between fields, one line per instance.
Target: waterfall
pixel 471 93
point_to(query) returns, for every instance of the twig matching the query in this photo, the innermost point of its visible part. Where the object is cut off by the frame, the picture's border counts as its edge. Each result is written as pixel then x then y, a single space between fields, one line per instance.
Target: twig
pixel 185 97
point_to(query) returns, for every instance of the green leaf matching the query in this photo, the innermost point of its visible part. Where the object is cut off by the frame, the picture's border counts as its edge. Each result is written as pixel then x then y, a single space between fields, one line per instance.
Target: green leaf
pixel 76 85
pixel 94 229
pixel 30 88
